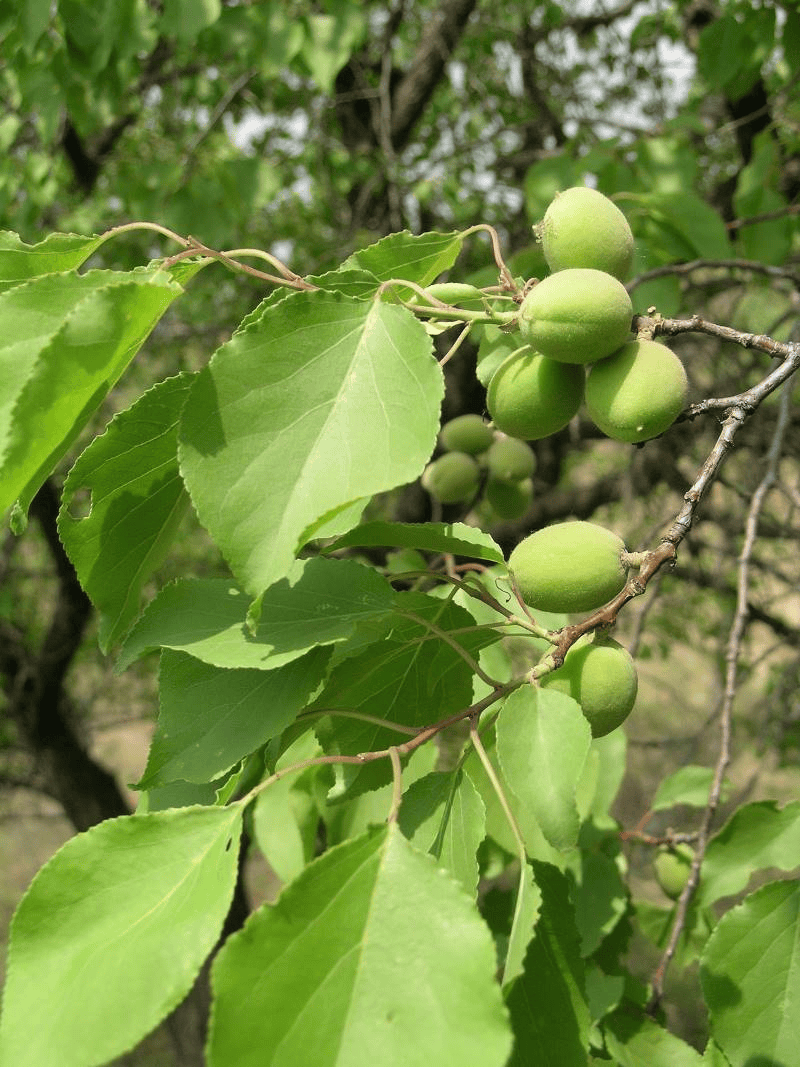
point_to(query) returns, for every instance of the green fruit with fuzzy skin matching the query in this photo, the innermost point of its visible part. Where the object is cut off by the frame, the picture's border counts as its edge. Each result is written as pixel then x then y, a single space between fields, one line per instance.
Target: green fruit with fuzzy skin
pixel 637 392
pixel 578 315
pixel 509 499
pixel 452 478
pixel 672 867
pixel 531 397
pixel 583 228
pixel 569 567
pixel 510 459
pixel 466 433
pixel 602 678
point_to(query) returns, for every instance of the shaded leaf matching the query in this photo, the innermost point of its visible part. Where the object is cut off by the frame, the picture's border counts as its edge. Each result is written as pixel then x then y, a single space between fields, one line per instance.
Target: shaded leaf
pixel 137 503
pixel 750 973
pixel 454 537
pixel 636 1041
pixel 113 931
pixel 320 603
pixel 210 718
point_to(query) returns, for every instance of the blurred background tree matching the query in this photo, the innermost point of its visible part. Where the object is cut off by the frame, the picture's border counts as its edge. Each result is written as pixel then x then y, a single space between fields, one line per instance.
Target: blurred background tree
pixel 308 128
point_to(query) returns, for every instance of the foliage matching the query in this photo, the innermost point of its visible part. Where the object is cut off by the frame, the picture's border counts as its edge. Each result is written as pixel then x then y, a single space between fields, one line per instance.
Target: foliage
pixel 357 694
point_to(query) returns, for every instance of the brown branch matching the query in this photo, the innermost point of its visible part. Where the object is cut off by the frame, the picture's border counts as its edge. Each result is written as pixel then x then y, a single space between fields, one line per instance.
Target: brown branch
pixel 681 269
pixel 731 660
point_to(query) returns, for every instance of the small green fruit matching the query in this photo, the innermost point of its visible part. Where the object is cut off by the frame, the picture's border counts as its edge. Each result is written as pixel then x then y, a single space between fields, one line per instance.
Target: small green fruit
pixel 510 459
pixel 637 392
pixel 509 499
pixel 570 567
pixel 459 293
pixel 672 866
pixel 583 228
pixel 452 478
pixel 578 315
pixel 531 397
pixel 466 433
pixel 602 678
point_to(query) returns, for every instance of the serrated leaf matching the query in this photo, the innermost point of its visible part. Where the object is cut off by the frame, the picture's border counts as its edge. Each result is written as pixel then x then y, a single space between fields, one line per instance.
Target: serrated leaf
pixel 69 357
pixel 697 223
pixel 112 932
pixel 442 813
pixel 549 1013
pixel 381 950
pixel 412 677
pixel 320 402
pixel 210 718
pixel 137 503
pixel 757 836
pixel 636 1041
pixel 417 258
pixel 320 603
pixel 454 537
pixel 527 909
pixel 57 252
pixel 688 785
pixel 543 740
pixel 750 973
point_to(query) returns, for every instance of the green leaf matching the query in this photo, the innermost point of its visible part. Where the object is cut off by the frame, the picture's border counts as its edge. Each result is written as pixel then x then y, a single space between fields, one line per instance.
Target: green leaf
pixel 68 338
pixel 373 955
pixel 750 973
pixel 636 1041
pixel 137 502
pixel 689 785
pixel 598 893
pixel 527 910
pixel 548 1007
pixel 210 718
pixel 112 932
pixel 184 19
pixel 330 41
pixel 442 813
pixel 756 836
pixel 320 603
pixel 57 252
pixel 602 777
pixel 318 403
pixel 419 258
pixel 692 219
pixel 411 677
pixel 454 537
pixel 543 740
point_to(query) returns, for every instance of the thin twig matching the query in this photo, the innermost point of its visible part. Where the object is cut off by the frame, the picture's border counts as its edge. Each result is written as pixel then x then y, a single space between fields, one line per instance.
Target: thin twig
pixel 735 637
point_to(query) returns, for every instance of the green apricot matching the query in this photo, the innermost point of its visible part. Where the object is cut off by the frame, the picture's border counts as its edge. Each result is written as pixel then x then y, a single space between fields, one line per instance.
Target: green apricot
pixel 672 867
pixel 466 433
pixel 509 499
pixel 602 677
pixel 570 567
pixel 578 315
pixel 460 293
pixel 637 392
pixel 531 397
pixel 583 228
pixel 452 478
pixel 510 459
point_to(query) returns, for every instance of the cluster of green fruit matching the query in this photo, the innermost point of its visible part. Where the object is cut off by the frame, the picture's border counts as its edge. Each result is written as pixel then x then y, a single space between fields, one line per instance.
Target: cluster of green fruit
pixel 477 457
pixel 579 316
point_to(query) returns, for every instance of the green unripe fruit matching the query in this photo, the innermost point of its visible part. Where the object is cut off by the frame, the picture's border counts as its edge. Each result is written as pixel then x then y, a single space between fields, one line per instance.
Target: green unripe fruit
pixel 460 293
pixel 466 433
pixel 531 397
pixel 578 315
pixel 602 678
pixel 672 867
pixel 509 499
pixel 570 567
pixel 637 392
pixel 583 228
pixel 452 478
pixel 510 459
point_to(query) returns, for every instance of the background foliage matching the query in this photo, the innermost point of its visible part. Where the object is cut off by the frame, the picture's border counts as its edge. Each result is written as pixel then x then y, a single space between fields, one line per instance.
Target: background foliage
pixel 313 130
